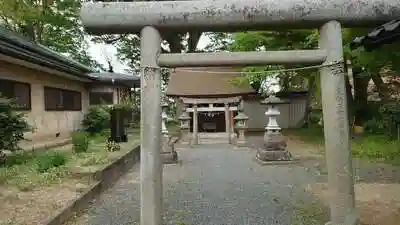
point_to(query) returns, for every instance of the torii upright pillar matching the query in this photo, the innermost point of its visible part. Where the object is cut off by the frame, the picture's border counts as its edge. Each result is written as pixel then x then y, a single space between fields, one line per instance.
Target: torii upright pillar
pixel 234 15
pixel 150 127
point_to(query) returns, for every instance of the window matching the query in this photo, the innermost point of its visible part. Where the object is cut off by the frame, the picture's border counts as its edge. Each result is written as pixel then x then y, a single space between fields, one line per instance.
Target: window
pixel 56 99
pixel 98 98
pixel 19 92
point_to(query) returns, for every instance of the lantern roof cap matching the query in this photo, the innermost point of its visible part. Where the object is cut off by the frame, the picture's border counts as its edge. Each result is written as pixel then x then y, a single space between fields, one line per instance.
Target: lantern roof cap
pixel 184 116
pixel 241 116
pixel 273 100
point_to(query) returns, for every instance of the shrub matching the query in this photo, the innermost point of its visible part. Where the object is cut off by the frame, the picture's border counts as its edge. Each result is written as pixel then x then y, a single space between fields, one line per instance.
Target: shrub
pixel 387 122
pixel 96 119
pixel 49 160
pixel 80 142
pixel 12 126
pixel 18 158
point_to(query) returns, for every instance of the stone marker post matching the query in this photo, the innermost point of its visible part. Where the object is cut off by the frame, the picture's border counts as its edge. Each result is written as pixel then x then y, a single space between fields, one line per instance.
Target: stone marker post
pixel 228 127
pixel 241 126
pixel 195 139
pixel 274 143
pixel 336 128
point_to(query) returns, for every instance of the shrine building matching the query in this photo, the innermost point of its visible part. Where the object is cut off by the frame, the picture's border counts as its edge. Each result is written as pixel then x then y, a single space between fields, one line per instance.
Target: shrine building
pixel 212 99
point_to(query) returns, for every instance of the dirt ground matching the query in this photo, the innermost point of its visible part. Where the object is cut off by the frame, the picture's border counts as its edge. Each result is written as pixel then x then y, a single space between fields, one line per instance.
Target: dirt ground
pixel 30 197
pixel 377 204
pixel 377 186
pixel 37 205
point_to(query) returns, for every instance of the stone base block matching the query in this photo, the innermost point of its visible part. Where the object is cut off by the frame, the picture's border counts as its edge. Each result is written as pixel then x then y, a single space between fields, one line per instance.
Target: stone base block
pixel 274 163
pixel 169 157
pixel 241 144
pixel 274 155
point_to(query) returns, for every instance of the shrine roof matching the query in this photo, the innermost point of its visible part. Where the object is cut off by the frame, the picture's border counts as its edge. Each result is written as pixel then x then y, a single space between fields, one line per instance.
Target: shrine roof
pixel 184 82
pixel 384 34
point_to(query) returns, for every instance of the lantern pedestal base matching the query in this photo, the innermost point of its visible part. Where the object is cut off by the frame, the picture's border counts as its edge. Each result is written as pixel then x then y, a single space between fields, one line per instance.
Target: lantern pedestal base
pixel 168 153
pixel 240 140
pixel 240 143
pixel 169 157
pixel 275 148
pixel 266 156
pixel 185 140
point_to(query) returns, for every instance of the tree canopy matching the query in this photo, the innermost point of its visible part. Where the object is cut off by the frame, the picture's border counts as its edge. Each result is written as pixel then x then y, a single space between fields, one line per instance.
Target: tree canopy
pixel 52 23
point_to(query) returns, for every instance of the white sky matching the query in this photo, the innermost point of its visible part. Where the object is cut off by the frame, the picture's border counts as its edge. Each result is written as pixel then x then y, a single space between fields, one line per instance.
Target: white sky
pixel 101 52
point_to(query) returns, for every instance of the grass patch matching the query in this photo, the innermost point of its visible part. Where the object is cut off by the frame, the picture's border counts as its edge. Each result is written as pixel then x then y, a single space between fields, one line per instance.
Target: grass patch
pixel 33 169
pixel 28 169
pixel 309 213
pixel 314 135
pixel 373 148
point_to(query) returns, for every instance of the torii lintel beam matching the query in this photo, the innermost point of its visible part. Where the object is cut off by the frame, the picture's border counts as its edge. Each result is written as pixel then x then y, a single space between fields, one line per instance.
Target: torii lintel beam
pixel 242 58
pixel 234 15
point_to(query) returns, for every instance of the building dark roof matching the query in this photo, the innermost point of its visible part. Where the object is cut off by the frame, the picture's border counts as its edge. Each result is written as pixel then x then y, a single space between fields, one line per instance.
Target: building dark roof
pixel 206 84
pixel 116 78
pixel 384 34
pixel 17 46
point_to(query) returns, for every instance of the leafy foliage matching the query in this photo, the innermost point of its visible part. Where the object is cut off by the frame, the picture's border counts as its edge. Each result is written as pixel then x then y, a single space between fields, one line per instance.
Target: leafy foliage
pixel 18 158
pixel 386 122
pixel 49 160
pixel 266 41
pixel 80 142
pixel 52 23
pixel 96 119
pixel 12 126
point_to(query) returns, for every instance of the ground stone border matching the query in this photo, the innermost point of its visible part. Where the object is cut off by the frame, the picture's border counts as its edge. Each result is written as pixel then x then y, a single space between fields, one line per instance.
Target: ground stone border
pixel 105 179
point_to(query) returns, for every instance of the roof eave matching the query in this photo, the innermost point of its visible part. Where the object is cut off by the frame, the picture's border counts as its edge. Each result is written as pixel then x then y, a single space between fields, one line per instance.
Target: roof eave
pixel 22 54
pixel 20 43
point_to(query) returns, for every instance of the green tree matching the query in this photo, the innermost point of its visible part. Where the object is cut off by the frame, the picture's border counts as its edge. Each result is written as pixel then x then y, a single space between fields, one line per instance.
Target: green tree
pixel 367 65
pixel 52 23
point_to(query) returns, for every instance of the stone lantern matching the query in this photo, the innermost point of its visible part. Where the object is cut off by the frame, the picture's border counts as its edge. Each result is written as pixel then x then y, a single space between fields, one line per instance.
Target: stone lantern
pixel 168 153
pixel 185 127
pixel 275 148
pixel 241 126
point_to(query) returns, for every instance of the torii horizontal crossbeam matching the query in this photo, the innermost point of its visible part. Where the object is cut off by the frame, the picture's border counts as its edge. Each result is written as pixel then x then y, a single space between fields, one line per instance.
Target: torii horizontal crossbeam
pixel 242 58
pixel 234 15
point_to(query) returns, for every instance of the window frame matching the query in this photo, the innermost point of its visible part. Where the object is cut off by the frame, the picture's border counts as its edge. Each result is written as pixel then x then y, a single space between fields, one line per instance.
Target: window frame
pixel 28 106
pixel 100 93
pixel 62 104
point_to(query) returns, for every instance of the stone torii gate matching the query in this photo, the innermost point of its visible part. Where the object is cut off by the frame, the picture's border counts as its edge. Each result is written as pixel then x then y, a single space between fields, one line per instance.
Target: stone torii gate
pixel 153 18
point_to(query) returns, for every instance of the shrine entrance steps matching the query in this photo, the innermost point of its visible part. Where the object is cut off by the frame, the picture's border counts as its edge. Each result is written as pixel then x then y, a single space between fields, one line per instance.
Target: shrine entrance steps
pixel 214 138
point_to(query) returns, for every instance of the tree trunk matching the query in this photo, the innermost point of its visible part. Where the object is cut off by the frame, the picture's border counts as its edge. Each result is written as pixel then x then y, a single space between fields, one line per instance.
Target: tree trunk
pixel 350 100
pixel 381 86
pixel 194 38
pixel 310 91
pixel 349 94
pixel 360 98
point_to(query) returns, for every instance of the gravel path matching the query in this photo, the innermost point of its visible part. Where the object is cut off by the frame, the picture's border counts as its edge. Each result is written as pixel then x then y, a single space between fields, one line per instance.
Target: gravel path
pixel 214 185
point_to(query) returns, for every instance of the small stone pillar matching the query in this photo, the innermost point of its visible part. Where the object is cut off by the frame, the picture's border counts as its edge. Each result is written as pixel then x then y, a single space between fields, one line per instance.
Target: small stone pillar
pixel 228 126
pixel 275 148
pixel 241 126
pixel 185 127
pixel 195 125
pixel 169 155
